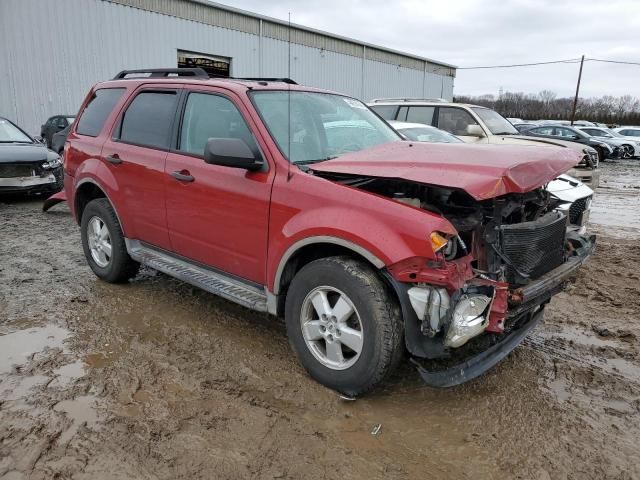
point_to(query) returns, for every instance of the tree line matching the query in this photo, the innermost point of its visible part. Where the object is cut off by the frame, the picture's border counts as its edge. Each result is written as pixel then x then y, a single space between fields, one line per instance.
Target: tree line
pixel 546 105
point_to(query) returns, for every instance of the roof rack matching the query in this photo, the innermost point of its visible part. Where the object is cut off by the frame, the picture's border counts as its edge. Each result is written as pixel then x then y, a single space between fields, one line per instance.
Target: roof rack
pixel 267 79
pixel 163 73
pixel 440 100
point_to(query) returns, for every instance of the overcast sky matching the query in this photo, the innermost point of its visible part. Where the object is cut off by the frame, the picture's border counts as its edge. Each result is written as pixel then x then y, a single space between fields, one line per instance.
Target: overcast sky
pixel 490 32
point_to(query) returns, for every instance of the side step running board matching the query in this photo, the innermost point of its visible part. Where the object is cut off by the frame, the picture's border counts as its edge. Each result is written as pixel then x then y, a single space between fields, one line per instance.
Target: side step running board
pixel 226 287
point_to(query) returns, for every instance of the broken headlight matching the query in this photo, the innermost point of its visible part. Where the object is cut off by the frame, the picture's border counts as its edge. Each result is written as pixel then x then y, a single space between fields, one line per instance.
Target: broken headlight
pixel 52 163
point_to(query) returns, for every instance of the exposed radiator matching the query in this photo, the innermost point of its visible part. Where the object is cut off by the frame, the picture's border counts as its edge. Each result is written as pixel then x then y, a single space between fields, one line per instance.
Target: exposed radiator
pixel 531 249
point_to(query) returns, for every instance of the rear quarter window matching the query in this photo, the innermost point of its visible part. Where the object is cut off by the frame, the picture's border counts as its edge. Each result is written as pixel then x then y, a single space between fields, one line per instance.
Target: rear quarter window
pixel 388 112
pixel 97 110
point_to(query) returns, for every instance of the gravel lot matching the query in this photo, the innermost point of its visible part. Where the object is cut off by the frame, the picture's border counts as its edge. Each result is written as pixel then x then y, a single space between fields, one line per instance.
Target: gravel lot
pixel 158 380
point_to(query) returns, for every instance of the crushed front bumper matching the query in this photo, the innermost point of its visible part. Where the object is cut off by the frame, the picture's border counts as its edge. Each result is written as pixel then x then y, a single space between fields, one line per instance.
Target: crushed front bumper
pixel 483 352
pixel 49 182
pixel 478 364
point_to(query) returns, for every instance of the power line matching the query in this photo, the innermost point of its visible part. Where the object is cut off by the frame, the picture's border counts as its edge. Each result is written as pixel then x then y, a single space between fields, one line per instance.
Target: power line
pixel 551 62
pixel 611 61
pixel 570 60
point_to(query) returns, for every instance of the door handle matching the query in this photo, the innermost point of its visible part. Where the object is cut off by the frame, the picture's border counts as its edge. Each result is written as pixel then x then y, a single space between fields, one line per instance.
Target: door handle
pixel 113 159
pixel 183 176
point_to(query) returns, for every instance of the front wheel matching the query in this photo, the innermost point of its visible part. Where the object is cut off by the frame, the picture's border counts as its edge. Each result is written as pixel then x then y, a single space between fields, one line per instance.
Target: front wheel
pixel 103 243
pixel 344 324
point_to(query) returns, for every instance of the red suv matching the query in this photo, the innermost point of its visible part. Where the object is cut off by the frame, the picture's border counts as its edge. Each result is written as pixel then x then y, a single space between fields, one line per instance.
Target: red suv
pixel 307 205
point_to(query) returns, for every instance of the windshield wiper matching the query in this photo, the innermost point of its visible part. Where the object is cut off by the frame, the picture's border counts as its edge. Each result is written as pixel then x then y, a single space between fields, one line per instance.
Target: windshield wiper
pixel 318 160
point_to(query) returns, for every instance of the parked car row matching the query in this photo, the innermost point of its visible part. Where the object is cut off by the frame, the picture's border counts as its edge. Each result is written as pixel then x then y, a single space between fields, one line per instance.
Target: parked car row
pixel 619 142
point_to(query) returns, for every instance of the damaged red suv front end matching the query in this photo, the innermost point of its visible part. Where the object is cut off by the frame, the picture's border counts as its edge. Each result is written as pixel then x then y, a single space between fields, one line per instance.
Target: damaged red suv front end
pixel 507 252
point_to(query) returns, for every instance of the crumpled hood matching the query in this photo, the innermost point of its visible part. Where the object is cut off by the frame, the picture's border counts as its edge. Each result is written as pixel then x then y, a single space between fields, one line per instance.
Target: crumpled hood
pixel 17 153
pixel 483 171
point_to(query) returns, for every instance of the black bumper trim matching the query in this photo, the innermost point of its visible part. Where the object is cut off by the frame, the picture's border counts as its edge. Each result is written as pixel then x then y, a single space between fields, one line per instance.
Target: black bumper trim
pixel 480 363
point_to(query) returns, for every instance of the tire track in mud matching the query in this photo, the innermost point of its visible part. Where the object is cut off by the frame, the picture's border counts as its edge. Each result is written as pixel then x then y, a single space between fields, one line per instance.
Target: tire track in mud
pixel 556 349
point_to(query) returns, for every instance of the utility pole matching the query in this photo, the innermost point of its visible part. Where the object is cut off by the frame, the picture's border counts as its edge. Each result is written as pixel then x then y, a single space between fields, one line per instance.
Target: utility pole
pixel 575 100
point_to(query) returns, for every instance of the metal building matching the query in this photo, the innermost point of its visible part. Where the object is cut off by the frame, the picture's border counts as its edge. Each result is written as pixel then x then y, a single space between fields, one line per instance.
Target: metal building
pixel 51 52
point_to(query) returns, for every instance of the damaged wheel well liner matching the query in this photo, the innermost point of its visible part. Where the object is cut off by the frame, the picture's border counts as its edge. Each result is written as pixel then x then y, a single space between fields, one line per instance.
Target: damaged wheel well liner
pixel 85 193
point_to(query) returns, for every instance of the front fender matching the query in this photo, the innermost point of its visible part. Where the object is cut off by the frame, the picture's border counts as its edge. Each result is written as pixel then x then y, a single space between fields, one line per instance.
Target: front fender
pixel 308 209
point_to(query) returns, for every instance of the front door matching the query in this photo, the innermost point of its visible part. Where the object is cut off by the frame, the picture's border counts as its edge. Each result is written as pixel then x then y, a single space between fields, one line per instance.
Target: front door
pixel 217 216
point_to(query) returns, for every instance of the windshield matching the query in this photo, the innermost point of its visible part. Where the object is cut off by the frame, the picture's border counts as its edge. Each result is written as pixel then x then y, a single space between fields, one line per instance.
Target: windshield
pixel 496 123
pixel 9 133
pixel 311 127
pixel 70 120
pixel 425 134
pixel 614 133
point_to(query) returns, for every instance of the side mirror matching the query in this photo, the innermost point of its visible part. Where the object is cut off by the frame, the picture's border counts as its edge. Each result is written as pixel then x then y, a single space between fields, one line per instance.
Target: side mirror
pixel 231 152
pixel 474 131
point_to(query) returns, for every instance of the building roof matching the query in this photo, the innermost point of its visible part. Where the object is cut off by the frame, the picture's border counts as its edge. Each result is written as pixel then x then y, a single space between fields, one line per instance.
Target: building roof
pixel 225 16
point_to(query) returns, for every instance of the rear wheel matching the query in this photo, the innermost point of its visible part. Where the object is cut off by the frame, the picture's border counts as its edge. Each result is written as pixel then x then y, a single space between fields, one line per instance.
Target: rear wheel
pixel 103 243
pixel 343 324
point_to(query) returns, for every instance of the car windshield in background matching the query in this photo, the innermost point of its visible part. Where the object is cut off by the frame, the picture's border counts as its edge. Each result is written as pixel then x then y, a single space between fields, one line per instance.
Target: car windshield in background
pixel 311 127
pixel 70 120
pixel 9 133
pixel 496 123
pixel 419 134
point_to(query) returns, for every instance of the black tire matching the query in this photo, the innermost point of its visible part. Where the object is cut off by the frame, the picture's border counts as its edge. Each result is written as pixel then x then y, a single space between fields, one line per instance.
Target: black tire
pixel 121 266
pixel 601 154
pixel 382 346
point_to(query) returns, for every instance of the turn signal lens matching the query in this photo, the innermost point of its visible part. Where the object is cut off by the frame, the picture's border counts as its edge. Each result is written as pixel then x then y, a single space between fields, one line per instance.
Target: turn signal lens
pixel 438 241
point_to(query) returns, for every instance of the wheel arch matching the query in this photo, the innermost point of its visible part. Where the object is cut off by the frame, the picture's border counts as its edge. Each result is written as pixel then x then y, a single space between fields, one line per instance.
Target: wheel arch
pixel 307 250
pixel 86 190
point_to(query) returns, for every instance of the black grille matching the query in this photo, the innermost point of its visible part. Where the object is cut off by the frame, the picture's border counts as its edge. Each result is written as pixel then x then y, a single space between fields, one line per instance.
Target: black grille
pixel 17 170
pixel 531 249
pixel 576 210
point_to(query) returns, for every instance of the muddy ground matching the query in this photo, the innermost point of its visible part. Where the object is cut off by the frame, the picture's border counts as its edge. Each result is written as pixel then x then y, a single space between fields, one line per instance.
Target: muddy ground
pixel 158 380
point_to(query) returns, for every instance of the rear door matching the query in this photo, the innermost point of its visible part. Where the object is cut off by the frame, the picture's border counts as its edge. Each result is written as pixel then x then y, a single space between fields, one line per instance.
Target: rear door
pixel 217 215
pixel 135 155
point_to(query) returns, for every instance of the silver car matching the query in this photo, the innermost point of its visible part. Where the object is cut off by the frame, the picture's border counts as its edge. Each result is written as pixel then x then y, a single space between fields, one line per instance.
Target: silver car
pixel 629 147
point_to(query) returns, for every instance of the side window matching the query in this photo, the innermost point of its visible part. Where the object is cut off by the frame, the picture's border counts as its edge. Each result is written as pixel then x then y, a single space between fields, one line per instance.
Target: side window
pixel 97 110
pixel 211 116
pixel 564 132
pixel 148 119
pixel 388 112
pixel 543 130
pixel 455 120
pixel 421 115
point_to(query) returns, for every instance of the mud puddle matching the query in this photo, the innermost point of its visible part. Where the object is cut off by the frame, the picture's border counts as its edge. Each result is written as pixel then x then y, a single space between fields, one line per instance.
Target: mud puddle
pixel 158 380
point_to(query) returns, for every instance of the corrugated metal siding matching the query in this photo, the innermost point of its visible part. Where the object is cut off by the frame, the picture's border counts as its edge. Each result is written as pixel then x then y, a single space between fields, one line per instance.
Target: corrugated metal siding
pixel 198 13
pixel 48 71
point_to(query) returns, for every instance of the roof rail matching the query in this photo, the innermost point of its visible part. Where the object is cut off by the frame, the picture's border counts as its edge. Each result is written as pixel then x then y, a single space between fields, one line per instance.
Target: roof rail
pixel 163 73
pixel 441 100
pixel 267 79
